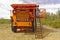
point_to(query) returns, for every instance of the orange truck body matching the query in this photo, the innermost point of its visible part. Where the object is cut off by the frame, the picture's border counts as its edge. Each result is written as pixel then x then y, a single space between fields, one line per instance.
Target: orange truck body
pixel 23 16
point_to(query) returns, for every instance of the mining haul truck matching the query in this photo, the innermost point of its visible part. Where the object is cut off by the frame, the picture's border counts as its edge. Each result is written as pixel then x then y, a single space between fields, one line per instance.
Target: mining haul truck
pixel 23 16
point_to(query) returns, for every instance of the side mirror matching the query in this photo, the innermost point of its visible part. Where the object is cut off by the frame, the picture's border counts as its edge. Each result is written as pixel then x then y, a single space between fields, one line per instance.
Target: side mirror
pixel 42 13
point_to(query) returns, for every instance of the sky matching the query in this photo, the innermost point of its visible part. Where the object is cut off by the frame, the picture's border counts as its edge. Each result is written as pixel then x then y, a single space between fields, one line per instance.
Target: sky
pixel 5 7
pixel 43 1
pixel 49 5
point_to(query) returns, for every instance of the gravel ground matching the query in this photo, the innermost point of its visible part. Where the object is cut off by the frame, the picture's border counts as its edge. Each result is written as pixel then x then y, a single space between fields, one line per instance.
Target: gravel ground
pixel 7 34
pixel 54 34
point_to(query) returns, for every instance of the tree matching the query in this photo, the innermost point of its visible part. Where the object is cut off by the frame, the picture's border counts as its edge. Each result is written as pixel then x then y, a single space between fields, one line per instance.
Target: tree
pixel 58 14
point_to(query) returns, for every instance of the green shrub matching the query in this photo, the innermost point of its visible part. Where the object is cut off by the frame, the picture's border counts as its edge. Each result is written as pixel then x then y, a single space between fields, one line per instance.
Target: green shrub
pixel 4 21
pixel 53 23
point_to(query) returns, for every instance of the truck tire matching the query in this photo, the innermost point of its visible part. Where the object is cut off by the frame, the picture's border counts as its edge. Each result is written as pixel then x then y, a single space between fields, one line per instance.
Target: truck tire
pixel 34 26
pixel 34 23
pixel 13 28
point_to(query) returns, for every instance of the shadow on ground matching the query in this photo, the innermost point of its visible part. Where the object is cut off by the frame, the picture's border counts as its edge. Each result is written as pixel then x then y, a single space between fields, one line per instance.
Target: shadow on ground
pixel 43 34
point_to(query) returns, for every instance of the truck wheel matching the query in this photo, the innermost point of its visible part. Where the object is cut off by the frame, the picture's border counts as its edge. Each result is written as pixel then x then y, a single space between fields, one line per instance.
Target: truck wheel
pixel 34 26
pixel 33 29
pixel 14 29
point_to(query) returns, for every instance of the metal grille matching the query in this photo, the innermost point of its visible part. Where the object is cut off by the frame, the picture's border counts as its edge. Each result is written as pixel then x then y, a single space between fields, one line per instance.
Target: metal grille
pixel 22 15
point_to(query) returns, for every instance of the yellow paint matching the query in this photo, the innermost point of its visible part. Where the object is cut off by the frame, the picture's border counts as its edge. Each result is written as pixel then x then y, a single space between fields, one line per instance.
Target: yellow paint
pixel 24 24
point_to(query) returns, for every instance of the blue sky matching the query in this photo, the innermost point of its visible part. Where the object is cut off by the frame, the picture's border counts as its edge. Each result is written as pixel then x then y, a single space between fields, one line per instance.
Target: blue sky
pixel 43 1
pixel 49 5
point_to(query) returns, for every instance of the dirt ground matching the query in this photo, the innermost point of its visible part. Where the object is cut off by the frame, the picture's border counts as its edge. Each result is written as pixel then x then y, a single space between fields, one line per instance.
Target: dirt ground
pixel 7 34
pixel 51 34
pixel 48 34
